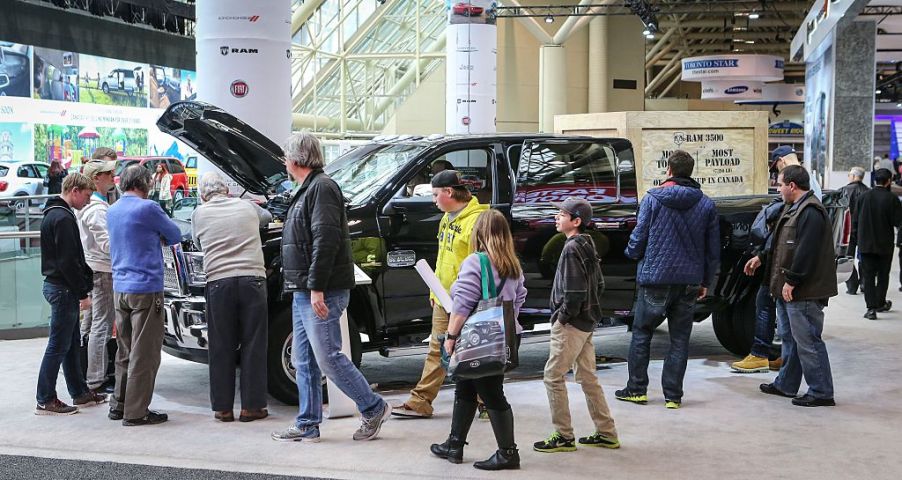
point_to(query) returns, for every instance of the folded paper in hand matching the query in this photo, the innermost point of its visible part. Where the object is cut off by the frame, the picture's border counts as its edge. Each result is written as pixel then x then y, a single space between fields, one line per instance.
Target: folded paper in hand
pixel 434 284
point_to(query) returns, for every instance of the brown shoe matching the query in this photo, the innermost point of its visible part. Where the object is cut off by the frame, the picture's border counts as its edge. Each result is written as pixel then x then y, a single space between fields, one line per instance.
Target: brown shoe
pixel 253 414
pixel 89 399
pixel 406 411
pixel 224 416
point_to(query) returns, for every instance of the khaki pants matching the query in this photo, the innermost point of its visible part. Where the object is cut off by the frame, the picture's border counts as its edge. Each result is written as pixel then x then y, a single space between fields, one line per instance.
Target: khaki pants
pixel 139 336
pixel 433 375
pixel 571 346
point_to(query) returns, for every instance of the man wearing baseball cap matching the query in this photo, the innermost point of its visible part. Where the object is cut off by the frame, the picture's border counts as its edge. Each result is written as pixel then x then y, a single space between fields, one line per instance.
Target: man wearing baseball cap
pixel 97 324
pixel 785 155
pixel 576 305
pixel 461 209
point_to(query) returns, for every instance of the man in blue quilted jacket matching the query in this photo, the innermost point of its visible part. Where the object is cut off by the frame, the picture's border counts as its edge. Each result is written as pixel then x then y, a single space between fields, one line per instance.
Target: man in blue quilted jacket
pixel 677 244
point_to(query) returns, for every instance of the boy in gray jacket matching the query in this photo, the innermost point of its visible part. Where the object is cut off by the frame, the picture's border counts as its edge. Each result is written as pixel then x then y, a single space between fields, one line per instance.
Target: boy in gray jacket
pixel 575 301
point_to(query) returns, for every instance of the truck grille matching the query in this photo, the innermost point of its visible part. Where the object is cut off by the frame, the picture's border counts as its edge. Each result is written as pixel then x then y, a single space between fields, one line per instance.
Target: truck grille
pixel 170 271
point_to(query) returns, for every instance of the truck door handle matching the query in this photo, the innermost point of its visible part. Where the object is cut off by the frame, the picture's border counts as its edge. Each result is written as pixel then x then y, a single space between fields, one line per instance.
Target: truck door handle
pixel 609 225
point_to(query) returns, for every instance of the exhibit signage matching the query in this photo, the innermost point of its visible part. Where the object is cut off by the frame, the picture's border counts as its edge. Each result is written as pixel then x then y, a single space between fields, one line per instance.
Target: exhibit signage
pixel 731 90
pixel 724 158
pixel 778 93
pixel 758 68
pixel 819 25
pixel 471 62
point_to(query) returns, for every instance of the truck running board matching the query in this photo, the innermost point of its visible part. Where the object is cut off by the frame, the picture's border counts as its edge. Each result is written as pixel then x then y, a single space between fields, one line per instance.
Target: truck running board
pixel 539 335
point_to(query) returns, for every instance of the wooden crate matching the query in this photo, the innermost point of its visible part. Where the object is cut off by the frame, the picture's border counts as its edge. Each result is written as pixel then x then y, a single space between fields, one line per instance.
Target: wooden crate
pixel 730 148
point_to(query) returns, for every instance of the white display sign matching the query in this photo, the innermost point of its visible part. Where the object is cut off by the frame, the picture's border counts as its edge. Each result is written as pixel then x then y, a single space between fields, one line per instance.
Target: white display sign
pixel 731 90
pixel 244 63
pixel 471 62
pixel 779 93
pixel 760 68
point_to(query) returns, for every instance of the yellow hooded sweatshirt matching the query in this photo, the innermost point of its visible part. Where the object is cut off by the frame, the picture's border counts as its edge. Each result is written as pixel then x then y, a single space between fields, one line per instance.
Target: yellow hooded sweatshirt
pixel 454 243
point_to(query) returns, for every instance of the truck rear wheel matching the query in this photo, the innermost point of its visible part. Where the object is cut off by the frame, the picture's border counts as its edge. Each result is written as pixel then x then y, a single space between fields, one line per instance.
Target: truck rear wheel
pixel 281 372
pixel 734 326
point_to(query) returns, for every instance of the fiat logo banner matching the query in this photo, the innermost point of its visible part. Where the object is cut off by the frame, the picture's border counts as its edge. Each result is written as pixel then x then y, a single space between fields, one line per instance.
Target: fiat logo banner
pixel 239 89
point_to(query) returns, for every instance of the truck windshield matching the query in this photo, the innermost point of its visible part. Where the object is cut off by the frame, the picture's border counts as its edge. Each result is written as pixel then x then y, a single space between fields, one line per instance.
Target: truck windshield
pixel 362 172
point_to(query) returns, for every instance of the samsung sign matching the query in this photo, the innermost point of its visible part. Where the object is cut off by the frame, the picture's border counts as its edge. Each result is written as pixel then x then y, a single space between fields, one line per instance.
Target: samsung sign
pixel 756 68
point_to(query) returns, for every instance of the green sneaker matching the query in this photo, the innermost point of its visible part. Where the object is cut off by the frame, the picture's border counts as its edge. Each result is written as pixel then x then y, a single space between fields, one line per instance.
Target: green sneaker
pixel 673 404
pixel 628 396
pixel 483 412
pixel 599 440
pixel 555 443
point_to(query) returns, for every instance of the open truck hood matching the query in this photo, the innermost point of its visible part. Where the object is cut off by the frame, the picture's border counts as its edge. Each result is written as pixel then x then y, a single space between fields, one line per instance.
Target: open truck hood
pixel 242 153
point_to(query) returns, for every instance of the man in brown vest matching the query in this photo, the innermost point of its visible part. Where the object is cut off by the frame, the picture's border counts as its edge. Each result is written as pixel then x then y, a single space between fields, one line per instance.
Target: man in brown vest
pixel 803 278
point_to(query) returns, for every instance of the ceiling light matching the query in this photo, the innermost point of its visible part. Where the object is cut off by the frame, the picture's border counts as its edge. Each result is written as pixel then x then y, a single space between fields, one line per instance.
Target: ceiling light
pixel 650 36
pixel 899 105
pixel 549 19
pixel 646 32
pixel 878 92
pixel 750 41
pixel 754 16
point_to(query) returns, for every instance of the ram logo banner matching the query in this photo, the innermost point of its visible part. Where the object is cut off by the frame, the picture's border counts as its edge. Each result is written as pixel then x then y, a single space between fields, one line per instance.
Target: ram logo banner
pixel 224 50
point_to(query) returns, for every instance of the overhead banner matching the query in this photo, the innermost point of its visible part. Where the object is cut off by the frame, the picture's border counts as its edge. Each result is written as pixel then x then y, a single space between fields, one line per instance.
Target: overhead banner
pixel 244 63
pixel 724 158
pixel 471 63
pixel 731 90
pixel 759 68
pixel 778 93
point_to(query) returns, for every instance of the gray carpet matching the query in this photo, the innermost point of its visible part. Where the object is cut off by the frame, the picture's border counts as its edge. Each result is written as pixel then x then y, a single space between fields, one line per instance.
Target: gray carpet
pixel 21 468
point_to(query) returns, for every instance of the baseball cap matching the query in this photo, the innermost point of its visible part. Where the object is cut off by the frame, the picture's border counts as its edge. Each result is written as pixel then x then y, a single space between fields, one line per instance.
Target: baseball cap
pixel 96 167
pixel 102 152
pixel 447 178
pixel 577 208
pixel 780 152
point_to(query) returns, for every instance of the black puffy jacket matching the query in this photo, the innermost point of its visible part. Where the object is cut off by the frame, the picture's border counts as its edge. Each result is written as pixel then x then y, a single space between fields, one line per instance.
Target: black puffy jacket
pixel 316 246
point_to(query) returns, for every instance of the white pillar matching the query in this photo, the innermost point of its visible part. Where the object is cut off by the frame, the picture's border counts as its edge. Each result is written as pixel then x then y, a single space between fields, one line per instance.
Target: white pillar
pixel 552 85
pixel 471 62
pixel 243 63
pixel 599 76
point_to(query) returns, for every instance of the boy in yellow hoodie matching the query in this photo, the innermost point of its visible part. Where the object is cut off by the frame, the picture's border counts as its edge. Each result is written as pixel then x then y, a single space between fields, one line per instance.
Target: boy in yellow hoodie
pixel 454 232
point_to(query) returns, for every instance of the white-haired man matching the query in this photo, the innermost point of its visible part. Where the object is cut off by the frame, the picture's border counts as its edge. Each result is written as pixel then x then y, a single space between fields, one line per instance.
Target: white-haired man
pixel 318 269
pixel 228 231
pixel 852 192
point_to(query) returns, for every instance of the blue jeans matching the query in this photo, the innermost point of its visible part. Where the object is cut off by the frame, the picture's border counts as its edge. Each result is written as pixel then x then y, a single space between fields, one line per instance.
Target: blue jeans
pixel 62 346
pixel 765 324
pixel 316 344
pixel 804 352
pixel 653 304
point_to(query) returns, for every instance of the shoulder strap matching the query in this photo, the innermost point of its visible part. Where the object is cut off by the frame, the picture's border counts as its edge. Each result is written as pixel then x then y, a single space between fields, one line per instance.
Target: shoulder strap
pixel 488 277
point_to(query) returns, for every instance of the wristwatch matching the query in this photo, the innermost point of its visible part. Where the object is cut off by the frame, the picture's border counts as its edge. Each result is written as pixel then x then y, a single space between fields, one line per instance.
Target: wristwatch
pixel 451 336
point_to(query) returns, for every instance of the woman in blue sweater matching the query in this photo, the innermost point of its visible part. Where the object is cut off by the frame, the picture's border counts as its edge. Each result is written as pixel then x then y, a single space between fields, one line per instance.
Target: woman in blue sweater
pixel 492 236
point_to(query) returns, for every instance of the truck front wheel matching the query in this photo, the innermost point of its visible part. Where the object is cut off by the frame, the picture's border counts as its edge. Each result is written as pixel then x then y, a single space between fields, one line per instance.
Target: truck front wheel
pixel 281 373
pixel 734 326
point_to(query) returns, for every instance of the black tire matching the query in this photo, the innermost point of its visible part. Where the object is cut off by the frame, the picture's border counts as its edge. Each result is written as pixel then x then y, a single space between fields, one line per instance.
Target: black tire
pixel 105 88
pixel 179 194
pixel 734 327
pixel 280 372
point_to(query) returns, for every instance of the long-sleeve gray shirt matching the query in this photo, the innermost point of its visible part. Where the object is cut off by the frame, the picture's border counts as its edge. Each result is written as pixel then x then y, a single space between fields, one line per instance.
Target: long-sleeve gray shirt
pixel 466 291
pixel 228 232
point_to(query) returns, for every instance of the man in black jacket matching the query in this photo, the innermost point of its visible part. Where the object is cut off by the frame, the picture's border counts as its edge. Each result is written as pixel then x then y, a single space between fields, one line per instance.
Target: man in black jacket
pixel 879 212
pixel 67 283
pixel 318 269
pixel 853 192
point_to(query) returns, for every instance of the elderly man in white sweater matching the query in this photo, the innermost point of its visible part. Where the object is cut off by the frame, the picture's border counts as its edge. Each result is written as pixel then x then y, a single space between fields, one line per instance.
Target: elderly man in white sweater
pixel 97 324
pixel 228 232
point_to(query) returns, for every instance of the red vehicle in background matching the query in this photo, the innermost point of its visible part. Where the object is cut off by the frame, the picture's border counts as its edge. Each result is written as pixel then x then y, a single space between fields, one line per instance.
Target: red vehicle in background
pixel 467 9
pixel 179 184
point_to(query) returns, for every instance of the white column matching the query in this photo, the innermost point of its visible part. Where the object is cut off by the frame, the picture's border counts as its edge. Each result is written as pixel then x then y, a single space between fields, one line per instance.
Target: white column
pixel 599 76
pixel 552 85
pixel 243 63
pixel 471 62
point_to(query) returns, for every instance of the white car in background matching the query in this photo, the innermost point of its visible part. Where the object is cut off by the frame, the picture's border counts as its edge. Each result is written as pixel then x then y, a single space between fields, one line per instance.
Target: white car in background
pixel 19 179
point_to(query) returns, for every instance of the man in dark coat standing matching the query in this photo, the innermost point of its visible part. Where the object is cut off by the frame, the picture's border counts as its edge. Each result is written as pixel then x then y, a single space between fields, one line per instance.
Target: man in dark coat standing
pixel 879 212
pixel 852 192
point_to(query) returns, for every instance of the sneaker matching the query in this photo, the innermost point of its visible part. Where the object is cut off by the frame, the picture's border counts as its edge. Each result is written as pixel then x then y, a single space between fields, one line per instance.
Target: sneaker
pixel 116 414
pixel 483 412
pixel 886 307
pixel 297 434
pixel 775 365
pixel 89 399
pixel 751 364
pixel 56 408
pixel 599 440
pixel 369 427
pixel 152 418
pixel 555 443
pixel 673 404
pixel 406 411
pixel 628 396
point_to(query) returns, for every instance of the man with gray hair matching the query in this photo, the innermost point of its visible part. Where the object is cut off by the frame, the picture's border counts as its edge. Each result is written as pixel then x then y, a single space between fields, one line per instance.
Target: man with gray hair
pixel 136 228
pixel 228 231
pixel 318 269
pixel 852 192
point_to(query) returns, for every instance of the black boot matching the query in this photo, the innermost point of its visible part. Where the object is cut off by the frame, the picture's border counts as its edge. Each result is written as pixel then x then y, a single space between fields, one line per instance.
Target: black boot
pixel 507 457
pixel 461 419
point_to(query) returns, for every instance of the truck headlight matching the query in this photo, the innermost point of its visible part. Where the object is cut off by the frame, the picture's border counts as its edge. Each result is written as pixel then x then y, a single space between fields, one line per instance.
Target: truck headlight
pixel 194 263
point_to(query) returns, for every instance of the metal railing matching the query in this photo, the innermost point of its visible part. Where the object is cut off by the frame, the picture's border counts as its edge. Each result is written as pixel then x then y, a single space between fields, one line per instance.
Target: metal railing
pixel 21 207
pixel 25 312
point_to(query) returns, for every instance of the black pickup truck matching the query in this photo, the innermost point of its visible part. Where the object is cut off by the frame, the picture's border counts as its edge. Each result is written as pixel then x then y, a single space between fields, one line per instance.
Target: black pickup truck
pixel 393 223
